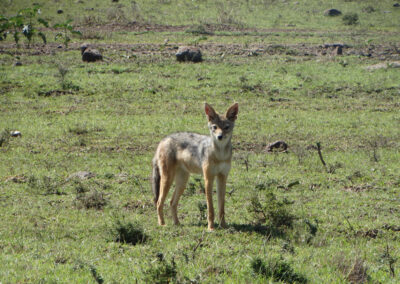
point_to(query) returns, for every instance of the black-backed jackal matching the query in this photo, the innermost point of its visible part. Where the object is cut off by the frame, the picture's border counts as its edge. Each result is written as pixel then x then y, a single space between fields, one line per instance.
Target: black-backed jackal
pixel 180 154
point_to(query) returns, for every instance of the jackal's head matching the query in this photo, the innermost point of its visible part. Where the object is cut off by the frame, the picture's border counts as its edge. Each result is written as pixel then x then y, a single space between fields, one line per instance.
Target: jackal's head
pixel 221 126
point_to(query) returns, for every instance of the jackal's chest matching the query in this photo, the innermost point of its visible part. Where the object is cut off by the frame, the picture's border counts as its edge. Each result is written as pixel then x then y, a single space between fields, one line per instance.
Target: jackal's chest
pixel 221 167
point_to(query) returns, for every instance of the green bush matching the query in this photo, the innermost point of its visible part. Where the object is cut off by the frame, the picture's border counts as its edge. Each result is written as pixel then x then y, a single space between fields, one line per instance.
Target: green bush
pixel 277 270
pixel 161 272
pixel 350 19
pixel 266 208
pixel 127 232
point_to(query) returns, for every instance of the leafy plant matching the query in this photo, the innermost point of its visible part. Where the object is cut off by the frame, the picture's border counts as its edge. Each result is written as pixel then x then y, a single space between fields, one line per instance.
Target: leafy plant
pixel 11 25
pixel 25 19
pixel 29 30
pixel 66 30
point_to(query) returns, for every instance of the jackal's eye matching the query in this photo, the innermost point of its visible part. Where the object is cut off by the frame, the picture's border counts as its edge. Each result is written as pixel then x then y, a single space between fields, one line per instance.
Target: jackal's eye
pixel 226 127
pixel 214 127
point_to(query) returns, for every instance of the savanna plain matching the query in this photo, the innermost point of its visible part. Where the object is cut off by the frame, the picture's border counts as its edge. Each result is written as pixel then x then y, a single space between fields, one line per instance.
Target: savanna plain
pixel 75 197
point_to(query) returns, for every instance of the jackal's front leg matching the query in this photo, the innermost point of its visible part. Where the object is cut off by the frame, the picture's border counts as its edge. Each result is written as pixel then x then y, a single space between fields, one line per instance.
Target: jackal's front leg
pixel 221 189
pixel 208 181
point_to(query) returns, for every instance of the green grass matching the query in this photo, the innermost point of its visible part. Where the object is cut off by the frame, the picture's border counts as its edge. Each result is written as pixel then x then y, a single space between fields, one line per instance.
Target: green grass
pixel 253 13
pixel 108 117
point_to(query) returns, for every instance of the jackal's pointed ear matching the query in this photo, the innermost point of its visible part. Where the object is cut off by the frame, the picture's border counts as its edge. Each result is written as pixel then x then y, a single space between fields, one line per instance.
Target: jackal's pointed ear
pixel 232 112
pixel 210 112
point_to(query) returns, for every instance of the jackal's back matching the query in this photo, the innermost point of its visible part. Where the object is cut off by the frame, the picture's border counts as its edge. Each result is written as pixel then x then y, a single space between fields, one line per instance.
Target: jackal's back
pixel 184 149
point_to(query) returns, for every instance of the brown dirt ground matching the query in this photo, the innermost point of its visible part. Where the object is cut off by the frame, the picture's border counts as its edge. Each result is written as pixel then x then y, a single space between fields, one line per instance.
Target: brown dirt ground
pixel 383 51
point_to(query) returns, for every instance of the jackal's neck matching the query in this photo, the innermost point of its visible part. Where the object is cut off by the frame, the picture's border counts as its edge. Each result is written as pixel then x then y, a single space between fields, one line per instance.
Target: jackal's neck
pixel 222 151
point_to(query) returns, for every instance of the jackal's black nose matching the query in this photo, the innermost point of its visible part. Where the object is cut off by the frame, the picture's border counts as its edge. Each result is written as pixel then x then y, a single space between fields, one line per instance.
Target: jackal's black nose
pixel 219 137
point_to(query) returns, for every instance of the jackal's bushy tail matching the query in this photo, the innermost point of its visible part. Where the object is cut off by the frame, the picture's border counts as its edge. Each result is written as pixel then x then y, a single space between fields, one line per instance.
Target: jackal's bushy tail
pixel 155 181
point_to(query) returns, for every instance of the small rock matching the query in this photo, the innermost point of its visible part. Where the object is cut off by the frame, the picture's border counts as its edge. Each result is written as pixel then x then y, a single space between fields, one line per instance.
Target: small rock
pixel 395 64
pixel 280 146
pixel 90 54
pixel 377 66
pixel 60 46
pixel 15 133
pixel 384 65
pixel 59 11
pixel 115 1
pixel 396 5
pixel 18 63
pixel 186 53
pixel 332 12
pixel 81 175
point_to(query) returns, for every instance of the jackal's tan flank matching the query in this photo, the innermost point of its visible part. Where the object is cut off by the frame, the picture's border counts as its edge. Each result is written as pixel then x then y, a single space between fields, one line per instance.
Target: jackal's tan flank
pixel 180 154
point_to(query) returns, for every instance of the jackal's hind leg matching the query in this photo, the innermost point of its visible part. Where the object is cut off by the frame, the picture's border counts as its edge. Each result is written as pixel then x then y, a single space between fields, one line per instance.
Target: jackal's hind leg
pixel 167 178
pixel 181 178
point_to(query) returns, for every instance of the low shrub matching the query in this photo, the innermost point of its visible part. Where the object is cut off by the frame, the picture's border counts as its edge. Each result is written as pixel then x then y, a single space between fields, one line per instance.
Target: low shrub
pixel 127 232
pixel 277 270
pixel 350 19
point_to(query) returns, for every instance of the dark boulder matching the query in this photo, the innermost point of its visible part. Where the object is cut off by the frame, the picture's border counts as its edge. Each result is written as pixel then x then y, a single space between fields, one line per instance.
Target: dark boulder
pixel 332 12
pixel 90 54
pixel 186 53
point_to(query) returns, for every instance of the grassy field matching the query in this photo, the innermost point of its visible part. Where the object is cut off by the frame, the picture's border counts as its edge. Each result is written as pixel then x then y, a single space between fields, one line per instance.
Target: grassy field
pixel 290 218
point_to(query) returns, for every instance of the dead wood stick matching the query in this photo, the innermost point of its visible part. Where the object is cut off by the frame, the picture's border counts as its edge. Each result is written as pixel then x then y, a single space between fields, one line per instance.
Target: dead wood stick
pixel 320 156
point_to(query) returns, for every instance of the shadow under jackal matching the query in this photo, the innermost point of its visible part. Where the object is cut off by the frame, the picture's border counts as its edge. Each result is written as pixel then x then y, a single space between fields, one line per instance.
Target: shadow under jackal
pixel 182 153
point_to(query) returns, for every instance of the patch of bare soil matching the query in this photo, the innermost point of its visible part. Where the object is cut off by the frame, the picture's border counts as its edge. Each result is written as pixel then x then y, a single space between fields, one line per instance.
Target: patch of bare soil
pixel 358 188
pixel 54 93
pixel 368 233
pixel 383 51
